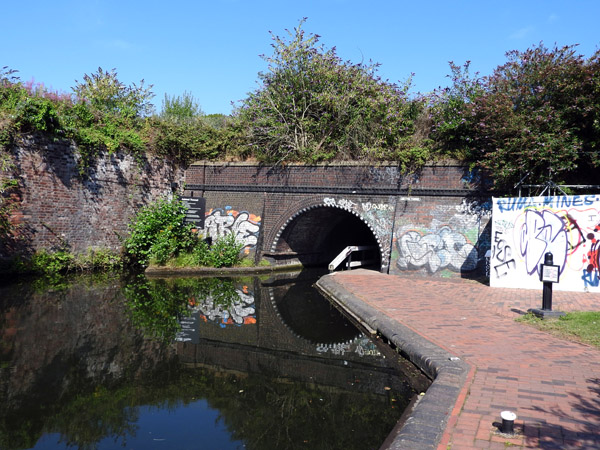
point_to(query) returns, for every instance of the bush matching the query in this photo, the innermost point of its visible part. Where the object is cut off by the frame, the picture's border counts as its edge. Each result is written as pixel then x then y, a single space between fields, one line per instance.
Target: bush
pixel 312 106
pixel 535 118
pixel 163 217
pixel 225 251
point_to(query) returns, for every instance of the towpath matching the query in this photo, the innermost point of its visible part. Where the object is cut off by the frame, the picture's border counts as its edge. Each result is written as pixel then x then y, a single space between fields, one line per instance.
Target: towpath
pixel 553 385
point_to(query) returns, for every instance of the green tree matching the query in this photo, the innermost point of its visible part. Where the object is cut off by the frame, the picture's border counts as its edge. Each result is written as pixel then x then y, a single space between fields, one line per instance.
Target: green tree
pixel 312 106
pixel 181 108
pixel 104 92
pixel 536 117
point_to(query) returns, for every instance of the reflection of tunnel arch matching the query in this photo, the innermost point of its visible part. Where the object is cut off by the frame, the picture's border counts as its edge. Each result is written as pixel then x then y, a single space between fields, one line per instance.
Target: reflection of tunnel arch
pixel 317 234
pixel 307 314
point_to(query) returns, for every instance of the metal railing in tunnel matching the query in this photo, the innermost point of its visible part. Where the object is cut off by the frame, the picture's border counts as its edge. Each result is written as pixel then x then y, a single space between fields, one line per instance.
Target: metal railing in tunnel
pixel 346 255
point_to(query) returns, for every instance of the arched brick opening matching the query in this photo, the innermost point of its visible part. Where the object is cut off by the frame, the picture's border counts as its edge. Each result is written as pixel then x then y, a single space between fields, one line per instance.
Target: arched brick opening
pixel 315 235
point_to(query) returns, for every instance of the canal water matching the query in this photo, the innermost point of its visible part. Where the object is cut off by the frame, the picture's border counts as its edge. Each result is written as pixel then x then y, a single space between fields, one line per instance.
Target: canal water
pixel 190 363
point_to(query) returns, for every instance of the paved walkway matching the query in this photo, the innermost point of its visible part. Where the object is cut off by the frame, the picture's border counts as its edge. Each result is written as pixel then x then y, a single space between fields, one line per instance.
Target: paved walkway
pixel 551 384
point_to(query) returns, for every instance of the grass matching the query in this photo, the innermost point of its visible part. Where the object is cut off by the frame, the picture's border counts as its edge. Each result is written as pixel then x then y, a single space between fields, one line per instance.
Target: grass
pixel 187 260
pixel 578 326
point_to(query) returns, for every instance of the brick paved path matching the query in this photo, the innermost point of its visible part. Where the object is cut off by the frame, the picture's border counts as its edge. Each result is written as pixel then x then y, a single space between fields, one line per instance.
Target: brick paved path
pixel 551 384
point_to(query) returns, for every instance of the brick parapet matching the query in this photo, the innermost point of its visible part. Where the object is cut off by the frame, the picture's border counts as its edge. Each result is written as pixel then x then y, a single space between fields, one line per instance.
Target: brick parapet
pixel 450 176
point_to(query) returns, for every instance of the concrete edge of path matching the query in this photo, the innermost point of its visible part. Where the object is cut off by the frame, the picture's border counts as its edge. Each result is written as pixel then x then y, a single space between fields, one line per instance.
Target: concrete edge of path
pixel 426 423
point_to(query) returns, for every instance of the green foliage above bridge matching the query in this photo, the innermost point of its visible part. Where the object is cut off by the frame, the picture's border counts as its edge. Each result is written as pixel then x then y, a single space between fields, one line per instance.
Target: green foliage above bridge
pixel 312 106
pixel 537 116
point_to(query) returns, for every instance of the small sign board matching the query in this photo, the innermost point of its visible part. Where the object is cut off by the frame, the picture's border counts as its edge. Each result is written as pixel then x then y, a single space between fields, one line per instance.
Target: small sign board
pixel 549 273
pixel 190 331
pixel 196 210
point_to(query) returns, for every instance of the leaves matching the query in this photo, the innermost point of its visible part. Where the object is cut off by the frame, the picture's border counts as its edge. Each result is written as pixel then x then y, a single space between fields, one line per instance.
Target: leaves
pixel 312 106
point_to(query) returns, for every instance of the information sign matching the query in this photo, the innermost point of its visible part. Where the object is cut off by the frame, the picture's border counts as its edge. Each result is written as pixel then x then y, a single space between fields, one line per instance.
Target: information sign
pixel 196 210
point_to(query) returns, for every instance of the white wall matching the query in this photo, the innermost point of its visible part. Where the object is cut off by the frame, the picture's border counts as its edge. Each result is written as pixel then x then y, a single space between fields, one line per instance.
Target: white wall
pixel 525 228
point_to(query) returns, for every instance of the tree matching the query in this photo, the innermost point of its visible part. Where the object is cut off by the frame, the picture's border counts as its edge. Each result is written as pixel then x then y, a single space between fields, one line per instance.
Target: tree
pixel 106 94
pixel 312 106
pixel 536 117
pixel 181 108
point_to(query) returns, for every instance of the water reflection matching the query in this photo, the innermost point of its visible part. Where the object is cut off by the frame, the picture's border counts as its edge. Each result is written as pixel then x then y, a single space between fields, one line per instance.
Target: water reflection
pixel 107 364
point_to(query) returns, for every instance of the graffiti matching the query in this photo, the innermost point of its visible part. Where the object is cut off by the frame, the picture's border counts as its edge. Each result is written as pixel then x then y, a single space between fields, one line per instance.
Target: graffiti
pixel 388 175
pixel 503 254
pixel 240 312
pixel 341 203
pixel 551 203
pixel 525 229
pixel 475 208
pixel 335 349
pixel 377 207
pixel 435 251
pixel 540 232
pixel 243 225
pixel 362 346
pixel 591 273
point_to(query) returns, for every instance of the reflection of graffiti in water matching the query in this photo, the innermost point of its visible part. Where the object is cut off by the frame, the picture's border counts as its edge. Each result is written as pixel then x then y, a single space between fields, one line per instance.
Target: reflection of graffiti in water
pixel 240 312
pixel 362 346
pixel 435 251
pixel 243 225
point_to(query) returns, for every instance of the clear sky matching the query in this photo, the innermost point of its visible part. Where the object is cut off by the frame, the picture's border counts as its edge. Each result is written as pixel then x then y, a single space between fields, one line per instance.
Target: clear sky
pixel 211 49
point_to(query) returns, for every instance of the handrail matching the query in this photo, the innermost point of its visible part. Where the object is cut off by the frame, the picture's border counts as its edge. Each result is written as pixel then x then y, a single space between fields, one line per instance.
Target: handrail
pixel 346 254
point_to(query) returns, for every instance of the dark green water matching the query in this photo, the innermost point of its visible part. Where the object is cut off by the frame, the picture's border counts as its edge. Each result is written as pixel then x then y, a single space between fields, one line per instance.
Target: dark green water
pixel 189 363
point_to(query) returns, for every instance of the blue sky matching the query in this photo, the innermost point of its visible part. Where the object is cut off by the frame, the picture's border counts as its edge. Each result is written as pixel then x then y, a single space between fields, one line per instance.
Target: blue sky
pixel 211 49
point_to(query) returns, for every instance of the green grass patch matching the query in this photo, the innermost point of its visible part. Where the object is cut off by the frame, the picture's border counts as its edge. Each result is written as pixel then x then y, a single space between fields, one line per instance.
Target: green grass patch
pixel 578 326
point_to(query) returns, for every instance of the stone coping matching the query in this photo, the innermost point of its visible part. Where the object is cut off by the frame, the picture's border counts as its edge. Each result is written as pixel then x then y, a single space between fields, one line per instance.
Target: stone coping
pixel 424 425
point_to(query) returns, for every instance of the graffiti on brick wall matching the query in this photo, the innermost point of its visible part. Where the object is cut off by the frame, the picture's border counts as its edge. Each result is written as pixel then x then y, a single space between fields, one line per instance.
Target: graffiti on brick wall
pixel 452 241
pixel 244 225
pixel 525 229
pixel 442 249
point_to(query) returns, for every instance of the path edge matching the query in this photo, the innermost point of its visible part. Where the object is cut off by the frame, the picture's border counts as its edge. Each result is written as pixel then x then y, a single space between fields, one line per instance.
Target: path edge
pixel 427 421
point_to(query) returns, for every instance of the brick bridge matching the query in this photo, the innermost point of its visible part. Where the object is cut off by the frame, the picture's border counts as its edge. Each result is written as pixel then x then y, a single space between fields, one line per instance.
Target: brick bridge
pixel 434 223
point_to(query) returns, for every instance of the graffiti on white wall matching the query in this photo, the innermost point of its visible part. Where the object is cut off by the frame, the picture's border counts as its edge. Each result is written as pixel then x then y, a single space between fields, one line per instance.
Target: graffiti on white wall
pixel 244 225
pixel 525 229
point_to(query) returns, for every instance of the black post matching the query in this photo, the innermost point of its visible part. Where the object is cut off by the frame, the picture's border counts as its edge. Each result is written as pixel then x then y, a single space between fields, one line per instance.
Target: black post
pixel 547 290
pixel 546 311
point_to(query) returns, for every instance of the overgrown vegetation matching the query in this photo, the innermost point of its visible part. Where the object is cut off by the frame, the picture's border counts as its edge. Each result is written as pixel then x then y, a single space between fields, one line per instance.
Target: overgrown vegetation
pixel 579 326
pixel 62 262
pixel 159 234
pixel 312 106
pixel 536 117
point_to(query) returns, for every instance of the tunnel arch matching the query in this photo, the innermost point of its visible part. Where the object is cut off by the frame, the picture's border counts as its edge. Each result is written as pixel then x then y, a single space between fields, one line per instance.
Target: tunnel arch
pixel 317 233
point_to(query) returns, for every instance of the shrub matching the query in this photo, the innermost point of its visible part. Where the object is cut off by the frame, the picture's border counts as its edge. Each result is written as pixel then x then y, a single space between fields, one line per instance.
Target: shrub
pixel 181 108
pixel 145 240
pixel 312 106
pixel 225 251
pixel 536 117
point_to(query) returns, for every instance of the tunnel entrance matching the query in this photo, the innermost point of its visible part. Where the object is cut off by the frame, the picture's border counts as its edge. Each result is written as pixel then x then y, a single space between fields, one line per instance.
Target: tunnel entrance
pixel 316 236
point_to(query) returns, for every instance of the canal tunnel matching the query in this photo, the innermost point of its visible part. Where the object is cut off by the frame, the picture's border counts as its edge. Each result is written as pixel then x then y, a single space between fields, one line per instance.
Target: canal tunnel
pixel 314 237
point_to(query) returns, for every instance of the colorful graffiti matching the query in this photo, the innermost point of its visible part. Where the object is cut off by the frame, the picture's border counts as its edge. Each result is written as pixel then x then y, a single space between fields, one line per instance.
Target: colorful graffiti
pixel 244 225
pixel 436 251
pixel 525 229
